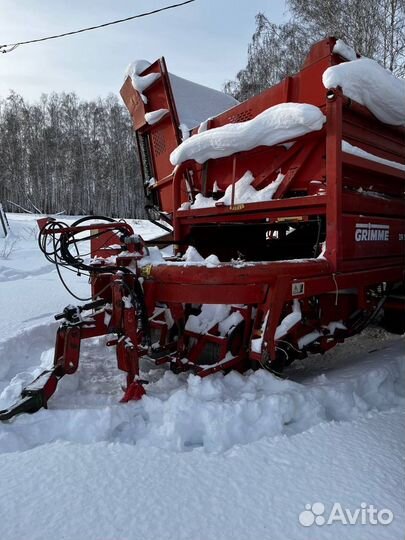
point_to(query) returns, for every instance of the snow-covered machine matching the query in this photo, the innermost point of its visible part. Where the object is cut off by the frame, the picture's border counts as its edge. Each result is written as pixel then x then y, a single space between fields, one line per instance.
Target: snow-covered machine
pixel 287 221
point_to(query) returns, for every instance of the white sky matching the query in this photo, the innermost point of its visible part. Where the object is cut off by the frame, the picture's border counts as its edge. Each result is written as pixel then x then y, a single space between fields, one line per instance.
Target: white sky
pixel 205 41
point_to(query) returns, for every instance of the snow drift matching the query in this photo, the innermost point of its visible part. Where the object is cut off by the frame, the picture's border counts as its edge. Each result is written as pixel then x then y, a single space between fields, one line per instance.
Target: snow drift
pixel 244 193
pixel 273 126
pixel 182 412
pixel 344 50
pixel 365 81
pixel 356 151
pixel 141 82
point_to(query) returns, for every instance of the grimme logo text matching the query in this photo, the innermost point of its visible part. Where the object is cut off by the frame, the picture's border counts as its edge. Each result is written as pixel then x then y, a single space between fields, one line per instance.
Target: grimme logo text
pixel 369 232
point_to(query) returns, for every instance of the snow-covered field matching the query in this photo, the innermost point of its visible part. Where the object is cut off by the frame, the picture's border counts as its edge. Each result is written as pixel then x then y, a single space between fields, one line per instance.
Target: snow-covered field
pixel 226 457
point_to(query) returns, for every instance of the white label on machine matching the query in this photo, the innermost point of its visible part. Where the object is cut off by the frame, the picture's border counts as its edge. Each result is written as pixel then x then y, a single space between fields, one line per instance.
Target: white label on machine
pixel 298 288
pixel 370 232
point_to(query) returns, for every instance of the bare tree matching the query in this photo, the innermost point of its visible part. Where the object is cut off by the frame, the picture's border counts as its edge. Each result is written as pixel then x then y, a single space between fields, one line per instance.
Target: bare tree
pixel 274 52
pixel 374 28
pixel 65 154
pixel 392 35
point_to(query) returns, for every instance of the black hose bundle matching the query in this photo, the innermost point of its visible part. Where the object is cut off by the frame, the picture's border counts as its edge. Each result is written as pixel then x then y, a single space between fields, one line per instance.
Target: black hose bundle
pixel 63 251
pixel 60 253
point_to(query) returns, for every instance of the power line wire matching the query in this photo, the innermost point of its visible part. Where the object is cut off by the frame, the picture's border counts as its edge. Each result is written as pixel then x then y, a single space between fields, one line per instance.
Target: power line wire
pixel 11 46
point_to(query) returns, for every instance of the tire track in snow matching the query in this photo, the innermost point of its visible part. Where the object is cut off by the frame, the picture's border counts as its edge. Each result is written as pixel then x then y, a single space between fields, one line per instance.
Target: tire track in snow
pixel 13 274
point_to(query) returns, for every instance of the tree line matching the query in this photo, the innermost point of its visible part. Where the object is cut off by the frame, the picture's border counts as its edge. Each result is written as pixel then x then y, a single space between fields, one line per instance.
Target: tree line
pixel 63 154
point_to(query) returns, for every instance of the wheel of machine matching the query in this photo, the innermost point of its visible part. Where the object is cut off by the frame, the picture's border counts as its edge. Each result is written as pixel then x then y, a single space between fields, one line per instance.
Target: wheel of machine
pixel 283 359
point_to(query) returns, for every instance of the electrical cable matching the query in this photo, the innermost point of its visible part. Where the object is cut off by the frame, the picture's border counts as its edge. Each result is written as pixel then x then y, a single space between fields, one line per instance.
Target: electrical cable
pixel 12 46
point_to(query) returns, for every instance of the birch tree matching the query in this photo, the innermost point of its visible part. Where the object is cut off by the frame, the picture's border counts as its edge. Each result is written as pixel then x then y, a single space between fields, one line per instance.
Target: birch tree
pixel 66 154
pixel 374 28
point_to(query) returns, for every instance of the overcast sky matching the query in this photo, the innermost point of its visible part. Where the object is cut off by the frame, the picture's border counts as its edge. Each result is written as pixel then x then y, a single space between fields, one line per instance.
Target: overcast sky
pixel 205 41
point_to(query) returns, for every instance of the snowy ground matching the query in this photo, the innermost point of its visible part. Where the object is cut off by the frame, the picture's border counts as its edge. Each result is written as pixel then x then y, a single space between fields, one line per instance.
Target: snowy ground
pixel 234 457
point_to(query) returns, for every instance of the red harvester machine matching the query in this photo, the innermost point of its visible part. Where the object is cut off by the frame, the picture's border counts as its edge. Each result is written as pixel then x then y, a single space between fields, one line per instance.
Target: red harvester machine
pixel 298 273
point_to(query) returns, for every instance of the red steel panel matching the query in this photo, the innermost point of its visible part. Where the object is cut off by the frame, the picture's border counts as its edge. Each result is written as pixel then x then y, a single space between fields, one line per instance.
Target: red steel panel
pixel 373 237
pixel 342 175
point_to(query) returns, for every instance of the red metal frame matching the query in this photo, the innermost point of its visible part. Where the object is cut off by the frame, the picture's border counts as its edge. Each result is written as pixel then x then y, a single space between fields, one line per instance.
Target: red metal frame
pixel 323 188
pixel 341 200
pixel 321 182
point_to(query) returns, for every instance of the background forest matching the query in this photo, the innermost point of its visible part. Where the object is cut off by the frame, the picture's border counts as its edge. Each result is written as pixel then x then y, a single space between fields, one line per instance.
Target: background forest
pixel 65 154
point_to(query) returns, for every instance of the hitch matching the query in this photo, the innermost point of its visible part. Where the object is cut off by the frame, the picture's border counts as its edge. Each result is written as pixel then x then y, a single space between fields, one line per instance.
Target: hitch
pixel 74 328
pixel 72 313
pixel 35 395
